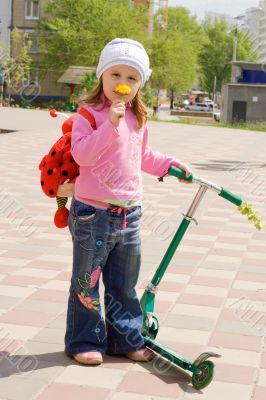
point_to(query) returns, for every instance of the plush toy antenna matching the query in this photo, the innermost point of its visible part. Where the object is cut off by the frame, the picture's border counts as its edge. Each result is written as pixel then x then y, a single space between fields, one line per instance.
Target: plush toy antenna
pixel 62 213
pixel 54 113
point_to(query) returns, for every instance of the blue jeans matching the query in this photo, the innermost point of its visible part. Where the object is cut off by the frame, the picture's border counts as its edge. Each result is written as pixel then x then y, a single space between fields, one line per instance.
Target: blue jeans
pixel 101 246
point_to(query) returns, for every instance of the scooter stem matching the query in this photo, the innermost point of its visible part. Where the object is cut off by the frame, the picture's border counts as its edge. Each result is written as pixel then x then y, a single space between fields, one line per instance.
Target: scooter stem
pixel 147 301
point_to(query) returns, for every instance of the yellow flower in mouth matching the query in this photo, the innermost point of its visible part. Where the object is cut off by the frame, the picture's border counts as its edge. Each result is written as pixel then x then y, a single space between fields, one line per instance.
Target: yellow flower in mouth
pixel 123 89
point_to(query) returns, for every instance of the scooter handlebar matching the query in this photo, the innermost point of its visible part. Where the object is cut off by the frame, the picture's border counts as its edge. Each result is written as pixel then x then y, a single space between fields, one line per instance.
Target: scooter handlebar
pixel 226 194
pixel 244 207
pixel 179 173
pixel 231 197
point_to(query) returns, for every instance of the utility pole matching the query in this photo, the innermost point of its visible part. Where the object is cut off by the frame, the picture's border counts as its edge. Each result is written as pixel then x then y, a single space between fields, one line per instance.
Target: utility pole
pixel 234 55
pixel 234 45
pixel 214 95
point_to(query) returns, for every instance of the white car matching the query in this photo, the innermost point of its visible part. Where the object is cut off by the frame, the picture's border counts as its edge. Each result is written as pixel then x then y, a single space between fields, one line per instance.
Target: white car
pixel 199 107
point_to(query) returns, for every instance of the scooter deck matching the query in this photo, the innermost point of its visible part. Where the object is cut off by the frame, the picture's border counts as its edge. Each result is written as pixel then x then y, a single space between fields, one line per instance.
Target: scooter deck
pixel 172 356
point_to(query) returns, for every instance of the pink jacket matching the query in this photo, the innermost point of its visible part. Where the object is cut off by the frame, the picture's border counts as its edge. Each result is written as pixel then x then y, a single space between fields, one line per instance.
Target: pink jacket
pixel 111 159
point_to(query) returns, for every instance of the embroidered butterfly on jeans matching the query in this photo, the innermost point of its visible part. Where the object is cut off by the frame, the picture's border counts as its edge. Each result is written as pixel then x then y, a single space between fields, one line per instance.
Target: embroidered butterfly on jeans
pixel 89 283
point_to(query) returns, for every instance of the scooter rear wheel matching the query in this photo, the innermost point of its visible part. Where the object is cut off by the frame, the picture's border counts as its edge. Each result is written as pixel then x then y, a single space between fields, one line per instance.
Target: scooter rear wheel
pixel 204 378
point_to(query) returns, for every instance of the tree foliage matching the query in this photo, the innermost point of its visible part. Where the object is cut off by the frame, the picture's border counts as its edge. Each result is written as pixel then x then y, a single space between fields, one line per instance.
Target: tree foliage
pixel 75 32
pixel 180 50
pixel 15 66
pixel 88 82
pixel 216 54
pixel 174 49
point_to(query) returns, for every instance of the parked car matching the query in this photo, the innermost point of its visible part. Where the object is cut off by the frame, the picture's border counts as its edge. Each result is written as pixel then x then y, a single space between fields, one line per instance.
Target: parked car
pixel 199 107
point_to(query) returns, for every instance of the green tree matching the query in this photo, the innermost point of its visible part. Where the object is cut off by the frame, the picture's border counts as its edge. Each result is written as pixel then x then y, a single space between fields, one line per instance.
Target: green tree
pixel 85 86
pixel 16 66
pixel 89 81
pixel 216 55
pixel 173 50
pixel 75 32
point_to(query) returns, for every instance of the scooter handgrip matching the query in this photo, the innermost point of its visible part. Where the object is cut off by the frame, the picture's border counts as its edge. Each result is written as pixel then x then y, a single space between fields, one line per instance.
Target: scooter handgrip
pixel 231 197
pixel 179 173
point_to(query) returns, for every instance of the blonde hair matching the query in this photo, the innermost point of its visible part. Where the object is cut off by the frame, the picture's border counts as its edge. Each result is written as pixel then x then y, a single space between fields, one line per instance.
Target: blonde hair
pixel 94 98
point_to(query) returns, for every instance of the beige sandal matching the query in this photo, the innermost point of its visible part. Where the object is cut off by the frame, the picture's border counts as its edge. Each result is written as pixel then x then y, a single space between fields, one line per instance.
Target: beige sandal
pixel 89 358
pixel 142 355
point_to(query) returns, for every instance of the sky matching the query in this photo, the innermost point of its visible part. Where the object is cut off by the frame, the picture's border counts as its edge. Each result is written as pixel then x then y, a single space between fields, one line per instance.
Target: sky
pixel 199 7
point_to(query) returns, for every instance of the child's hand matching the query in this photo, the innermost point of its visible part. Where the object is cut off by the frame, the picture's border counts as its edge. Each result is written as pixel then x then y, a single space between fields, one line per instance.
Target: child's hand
pixel 187 170
pixel 117 111
pixel 66 190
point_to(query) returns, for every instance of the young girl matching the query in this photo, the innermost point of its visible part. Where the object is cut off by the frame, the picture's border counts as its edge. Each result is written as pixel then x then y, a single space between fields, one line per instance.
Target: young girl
pixel 105 212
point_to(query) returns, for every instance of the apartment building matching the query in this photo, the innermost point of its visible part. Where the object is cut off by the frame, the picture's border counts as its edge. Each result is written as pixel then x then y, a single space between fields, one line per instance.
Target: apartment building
pixel 215 16
pixel 5 22
pixel 41 85
pixel 253 21
pixel 262 31
pixel 25 17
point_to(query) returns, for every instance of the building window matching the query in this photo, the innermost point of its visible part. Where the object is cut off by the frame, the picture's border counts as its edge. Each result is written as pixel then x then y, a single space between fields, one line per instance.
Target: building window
pixel 34 47
pixel 33 38
pixel 32 9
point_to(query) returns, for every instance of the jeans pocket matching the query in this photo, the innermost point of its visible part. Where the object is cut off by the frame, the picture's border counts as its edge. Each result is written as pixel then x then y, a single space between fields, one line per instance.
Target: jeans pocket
pixel 85 219
pixel 84 213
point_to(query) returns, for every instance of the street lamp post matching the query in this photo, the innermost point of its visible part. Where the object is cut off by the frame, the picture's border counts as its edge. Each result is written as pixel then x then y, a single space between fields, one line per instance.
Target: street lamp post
pixel 213 96
pixel 235 45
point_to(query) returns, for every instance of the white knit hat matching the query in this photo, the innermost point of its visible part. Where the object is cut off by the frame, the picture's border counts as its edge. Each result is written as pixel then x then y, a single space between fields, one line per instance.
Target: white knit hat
pixel 127 52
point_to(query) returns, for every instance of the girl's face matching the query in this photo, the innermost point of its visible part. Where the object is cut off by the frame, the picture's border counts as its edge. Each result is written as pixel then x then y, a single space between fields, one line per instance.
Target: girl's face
pixel 121 74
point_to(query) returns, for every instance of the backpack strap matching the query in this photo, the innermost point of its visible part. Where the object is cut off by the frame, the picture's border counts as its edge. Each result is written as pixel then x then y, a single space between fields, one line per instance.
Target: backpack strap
pixel 87 115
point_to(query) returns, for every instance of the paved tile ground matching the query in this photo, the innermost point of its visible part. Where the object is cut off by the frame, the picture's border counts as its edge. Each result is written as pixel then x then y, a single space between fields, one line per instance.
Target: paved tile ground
pixel 213 295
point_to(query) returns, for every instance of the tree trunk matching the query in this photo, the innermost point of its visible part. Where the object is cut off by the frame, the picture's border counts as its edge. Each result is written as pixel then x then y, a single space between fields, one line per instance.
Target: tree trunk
pixel 172 100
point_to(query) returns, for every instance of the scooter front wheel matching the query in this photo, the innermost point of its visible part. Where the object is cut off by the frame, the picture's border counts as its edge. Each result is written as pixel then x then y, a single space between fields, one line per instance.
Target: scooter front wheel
pixel 204 378
pixel 152 326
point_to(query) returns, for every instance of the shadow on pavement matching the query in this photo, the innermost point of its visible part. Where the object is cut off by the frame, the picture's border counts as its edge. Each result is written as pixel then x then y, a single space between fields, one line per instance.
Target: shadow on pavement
pixel 229 165
pixel 25 365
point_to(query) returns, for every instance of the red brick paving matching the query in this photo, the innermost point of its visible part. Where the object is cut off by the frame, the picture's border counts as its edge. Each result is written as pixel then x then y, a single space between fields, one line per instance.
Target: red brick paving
pixel 220 221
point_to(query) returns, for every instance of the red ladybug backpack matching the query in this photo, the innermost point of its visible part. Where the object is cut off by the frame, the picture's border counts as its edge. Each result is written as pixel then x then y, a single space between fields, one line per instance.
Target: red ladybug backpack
pixel 58 165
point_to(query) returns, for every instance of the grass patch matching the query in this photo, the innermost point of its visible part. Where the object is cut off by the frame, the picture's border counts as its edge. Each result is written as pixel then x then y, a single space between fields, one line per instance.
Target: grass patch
pixel 249 126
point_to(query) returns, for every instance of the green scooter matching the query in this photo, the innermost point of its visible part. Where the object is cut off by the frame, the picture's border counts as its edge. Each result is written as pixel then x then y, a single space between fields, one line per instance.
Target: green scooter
pixel 202 369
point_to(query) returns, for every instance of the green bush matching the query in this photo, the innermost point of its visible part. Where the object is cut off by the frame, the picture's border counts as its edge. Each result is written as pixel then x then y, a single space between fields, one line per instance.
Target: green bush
pixel 59 105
